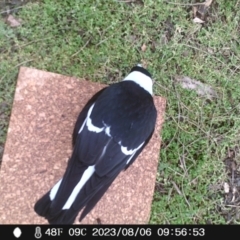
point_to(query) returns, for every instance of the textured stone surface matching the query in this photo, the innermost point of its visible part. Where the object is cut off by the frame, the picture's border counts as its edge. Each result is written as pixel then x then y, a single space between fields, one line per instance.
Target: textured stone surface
pixel 38 146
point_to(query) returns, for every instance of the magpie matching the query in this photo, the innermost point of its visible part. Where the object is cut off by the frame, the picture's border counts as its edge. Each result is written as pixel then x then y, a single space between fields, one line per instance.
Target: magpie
pixel 110 132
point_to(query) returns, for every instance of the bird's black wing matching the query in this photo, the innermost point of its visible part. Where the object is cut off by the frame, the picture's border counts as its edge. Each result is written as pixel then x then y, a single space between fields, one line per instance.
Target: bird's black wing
pixel 83 114
pixel 113 133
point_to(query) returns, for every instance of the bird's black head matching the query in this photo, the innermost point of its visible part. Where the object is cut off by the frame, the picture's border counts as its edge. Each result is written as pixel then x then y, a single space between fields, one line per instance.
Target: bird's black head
pixel 141 69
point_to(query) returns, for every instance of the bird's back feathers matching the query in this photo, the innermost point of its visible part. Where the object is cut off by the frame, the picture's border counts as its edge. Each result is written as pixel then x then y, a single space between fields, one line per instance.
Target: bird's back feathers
pixel 109 134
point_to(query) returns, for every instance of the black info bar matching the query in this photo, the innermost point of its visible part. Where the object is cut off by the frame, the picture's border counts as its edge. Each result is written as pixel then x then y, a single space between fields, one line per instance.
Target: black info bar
pixel 129 231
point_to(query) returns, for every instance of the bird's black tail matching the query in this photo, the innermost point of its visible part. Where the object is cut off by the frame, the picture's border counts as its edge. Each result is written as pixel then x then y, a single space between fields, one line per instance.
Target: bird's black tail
pixel 51 205
pixel 42 206
pixel 88 197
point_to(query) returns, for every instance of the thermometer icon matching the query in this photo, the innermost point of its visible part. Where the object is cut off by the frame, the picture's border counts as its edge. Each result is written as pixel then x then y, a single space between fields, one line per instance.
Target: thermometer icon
pixel 38 233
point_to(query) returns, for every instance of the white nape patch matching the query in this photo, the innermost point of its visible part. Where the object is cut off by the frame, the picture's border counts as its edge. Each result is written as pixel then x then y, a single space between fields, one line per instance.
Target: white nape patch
pixel 139 65
pixel 86 175
pixel 54 190
pixel 88 122
pixel 141 79
pixel 129 152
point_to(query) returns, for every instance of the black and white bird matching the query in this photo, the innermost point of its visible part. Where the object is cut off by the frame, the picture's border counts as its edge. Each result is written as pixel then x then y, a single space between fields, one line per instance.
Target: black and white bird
pixel 110 132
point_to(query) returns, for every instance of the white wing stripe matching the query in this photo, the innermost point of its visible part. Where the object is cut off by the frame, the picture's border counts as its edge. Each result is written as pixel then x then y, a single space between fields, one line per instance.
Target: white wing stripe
pixel 129 152
pixel 82 126
pixel 92 128
pixel 130 159
pixel 88 122
pixel 86 175
pixel 54 190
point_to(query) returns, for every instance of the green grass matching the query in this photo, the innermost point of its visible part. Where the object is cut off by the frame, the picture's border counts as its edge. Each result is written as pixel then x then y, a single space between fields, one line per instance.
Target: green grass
pixel 101 41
